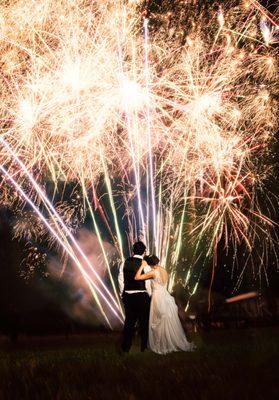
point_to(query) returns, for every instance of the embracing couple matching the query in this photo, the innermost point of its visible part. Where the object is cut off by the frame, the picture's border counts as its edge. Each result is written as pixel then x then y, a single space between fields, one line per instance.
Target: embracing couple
pixel 143 288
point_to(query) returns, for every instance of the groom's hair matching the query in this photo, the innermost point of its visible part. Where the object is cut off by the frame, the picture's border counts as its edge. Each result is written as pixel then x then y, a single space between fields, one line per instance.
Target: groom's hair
pixel 139 248
pixel 152 260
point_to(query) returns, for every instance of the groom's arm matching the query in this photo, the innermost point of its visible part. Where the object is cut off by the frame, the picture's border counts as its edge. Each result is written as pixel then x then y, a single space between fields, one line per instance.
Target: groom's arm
pixel 147 269
pixel 121 279
pixel 145 273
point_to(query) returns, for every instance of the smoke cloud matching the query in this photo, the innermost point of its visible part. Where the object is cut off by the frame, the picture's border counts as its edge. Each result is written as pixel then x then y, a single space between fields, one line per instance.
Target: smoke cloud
pixel 78 301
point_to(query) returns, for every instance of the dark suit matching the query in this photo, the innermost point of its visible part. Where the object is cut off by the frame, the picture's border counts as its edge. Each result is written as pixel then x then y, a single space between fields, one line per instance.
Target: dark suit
pixel 137 305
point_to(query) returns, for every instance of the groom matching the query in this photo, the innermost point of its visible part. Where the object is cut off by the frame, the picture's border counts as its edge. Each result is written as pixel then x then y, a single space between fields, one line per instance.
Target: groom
pixel 135 296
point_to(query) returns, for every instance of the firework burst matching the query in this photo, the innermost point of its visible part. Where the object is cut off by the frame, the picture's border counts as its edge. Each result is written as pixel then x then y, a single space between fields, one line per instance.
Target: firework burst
pixel 170 117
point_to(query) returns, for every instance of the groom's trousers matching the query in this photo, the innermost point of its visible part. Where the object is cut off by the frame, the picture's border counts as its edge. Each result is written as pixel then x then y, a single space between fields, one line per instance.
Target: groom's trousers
pixel 137 307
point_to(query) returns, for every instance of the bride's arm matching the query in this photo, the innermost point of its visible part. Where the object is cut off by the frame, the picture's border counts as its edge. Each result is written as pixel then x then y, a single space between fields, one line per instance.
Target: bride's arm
pixel 143 277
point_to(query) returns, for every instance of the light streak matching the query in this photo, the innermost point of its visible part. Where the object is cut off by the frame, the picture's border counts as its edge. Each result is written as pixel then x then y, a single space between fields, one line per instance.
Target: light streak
pixel 53 232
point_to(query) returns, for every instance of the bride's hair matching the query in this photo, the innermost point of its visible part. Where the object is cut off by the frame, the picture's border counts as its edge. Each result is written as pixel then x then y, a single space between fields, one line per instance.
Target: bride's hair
pixel 152 260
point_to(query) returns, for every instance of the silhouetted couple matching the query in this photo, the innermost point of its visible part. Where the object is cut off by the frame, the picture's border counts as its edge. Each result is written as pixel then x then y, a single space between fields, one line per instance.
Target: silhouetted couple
pixel 143 288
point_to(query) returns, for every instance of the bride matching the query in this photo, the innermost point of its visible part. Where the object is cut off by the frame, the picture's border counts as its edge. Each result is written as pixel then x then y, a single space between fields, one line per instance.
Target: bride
pixel 165 330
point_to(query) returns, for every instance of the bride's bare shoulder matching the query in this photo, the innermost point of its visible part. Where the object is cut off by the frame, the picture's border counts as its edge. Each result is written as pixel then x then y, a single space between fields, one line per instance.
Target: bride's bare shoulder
pixel 163 269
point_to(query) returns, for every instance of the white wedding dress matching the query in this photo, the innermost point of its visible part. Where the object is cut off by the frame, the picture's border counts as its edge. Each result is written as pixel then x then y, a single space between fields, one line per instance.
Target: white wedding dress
pixel 165 330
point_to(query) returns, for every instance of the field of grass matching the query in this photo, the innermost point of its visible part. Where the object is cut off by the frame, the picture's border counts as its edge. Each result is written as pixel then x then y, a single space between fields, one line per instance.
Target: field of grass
pixel 240 365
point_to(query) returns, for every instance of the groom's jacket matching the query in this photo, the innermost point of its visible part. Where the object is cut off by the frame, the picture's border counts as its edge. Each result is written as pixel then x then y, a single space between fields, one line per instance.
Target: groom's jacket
pixel 131 266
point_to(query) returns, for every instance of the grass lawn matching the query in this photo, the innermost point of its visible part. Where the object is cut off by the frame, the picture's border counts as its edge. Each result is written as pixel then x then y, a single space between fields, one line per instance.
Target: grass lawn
pixel 240 365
